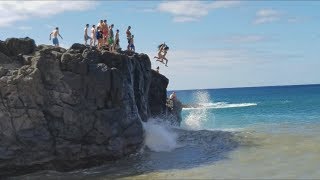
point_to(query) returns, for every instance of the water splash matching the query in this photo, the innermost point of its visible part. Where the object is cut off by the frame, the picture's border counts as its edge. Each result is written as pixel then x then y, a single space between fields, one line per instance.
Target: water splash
pixel 159 137
pixel 196 119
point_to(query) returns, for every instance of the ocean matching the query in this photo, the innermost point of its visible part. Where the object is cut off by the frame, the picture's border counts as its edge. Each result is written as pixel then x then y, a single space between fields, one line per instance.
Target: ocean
pixel 251 133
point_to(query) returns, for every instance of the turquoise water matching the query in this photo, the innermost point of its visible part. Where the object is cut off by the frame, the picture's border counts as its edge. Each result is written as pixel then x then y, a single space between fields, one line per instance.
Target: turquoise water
pixel 244 107
pixel 239 133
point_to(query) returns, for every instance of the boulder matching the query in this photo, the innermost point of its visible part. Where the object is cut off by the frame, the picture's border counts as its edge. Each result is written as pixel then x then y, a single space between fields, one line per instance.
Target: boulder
pixel 158 94
pixel 18 46
pixel 4 49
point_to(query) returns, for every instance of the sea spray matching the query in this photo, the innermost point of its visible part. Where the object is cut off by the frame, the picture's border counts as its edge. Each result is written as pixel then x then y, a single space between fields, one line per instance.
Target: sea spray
pixel 159 137
pixel 196 119
pixel 220 105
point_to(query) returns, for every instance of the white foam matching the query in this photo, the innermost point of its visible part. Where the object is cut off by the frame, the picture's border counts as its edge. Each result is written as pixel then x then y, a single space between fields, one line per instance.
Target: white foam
pixel 196 119
pixel 220 105
pixel 159 137
pixel 227 129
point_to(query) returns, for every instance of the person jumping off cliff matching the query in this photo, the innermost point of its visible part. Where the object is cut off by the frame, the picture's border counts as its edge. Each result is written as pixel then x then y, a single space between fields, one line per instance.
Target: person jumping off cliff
pixel 55 34
pixel 162 52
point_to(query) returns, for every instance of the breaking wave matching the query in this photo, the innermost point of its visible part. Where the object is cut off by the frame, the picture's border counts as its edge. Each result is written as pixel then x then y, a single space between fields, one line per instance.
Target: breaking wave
pixel 219 105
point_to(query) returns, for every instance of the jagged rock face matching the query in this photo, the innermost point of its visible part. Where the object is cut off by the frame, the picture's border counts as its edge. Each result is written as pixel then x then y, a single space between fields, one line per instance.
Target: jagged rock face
pixel 174 114
pixel 64 109
pixel 158 99
pixel 15 46
pixel 158 94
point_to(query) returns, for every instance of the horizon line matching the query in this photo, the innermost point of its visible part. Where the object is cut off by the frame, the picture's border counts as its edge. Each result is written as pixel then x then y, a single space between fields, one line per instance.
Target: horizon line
pixel 240 87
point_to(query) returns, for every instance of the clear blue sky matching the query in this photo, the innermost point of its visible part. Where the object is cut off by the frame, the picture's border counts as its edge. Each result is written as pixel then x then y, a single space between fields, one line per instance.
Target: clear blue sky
pixel 213 44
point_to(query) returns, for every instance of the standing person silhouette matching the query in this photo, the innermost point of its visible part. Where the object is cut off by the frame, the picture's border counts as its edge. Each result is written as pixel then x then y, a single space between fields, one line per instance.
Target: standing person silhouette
pixel 128 32
pixel 55 34
pixel 86 37
pixel 117 40
pixel 93 36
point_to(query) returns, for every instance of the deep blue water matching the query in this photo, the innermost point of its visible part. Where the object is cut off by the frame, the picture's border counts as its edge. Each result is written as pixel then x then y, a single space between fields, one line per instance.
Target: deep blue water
pixel 243 107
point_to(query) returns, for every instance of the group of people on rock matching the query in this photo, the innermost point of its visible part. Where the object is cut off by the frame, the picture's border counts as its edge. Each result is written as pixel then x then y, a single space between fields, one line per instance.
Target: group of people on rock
pixel 130 37
pixel 102 35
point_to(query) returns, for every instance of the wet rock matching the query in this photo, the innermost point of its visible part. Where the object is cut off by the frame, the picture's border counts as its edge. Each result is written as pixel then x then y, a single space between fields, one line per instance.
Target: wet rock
pixel 158 94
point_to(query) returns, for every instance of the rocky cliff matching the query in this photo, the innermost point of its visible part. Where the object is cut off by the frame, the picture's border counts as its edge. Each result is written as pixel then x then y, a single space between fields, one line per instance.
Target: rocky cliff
pixel 64 109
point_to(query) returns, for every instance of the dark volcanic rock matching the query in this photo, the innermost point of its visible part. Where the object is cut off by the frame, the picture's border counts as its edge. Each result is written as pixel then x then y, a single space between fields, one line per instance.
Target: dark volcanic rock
pixel 17 46
pixel 158 94
pixel 65 109
pixel 174 114
pixel 4 49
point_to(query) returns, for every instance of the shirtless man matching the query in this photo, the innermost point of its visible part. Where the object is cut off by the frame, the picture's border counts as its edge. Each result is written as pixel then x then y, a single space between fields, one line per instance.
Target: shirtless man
pixel 105 32
pixel 173 96
pixel 117 40
pixel 93 36
pixel 128 37
pixel 111 38
pixel 100 26
pixel 86 37
pixel 131 44
pixel 55 34
pixel 99 36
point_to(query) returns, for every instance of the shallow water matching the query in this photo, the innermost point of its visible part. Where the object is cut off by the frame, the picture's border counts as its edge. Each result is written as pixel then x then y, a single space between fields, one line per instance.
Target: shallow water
pixel 280 155
pixel 276 152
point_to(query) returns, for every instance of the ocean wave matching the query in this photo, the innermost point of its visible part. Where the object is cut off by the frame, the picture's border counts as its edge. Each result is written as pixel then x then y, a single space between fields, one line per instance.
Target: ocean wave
pixel 219 105
pixel 226 129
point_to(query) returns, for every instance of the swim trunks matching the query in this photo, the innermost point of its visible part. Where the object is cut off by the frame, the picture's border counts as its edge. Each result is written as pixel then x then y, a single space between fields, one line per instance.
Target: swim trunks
pixel 86 37
pixel 55 41
pixel 110 41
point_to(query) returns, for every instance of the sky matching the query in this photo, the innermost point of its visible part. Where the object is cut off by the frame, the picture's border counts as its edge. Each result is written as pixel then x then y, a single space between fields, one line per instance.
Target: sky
pixel 213 44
